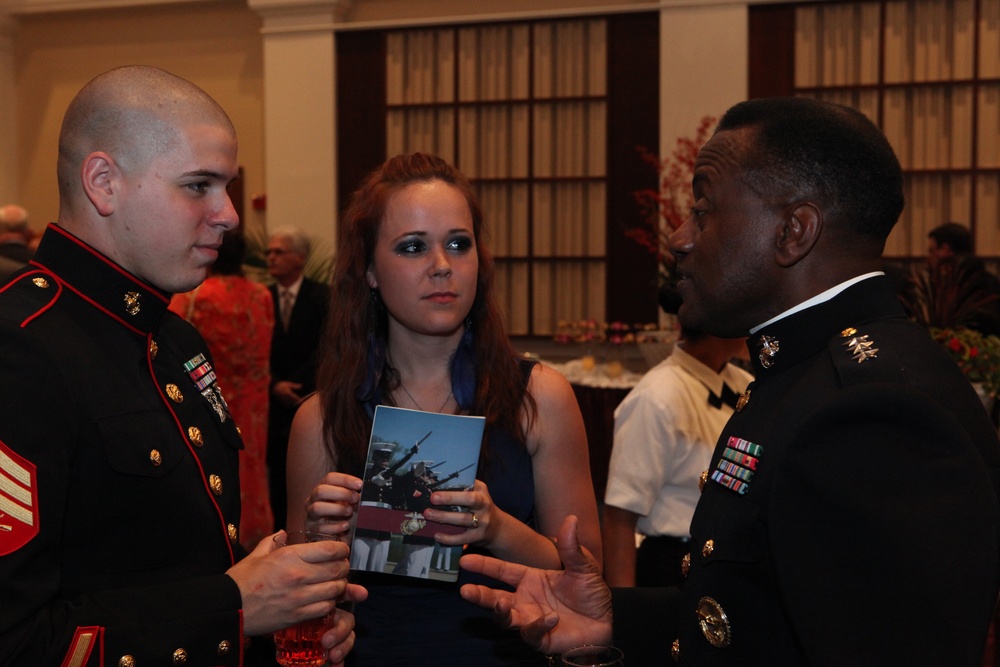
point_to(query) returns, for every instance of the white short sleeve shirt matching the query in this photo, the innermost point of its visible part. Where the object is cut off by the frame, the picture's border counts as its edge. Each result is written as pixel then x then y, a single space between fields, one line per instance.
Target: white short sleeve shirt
pixel 664 435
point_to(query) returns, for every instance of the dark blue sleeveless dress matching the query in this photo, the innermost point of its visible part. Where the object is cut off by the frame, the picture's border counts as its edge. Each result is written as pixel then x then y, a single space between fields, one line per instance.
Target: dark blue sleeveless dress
pixel 427 623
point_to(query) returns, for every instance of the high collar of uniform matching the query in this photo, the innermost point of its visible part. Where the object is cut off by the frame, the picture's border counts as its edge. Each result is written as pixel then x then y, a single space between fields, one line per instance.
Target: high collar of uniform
pixel 99 281
pixel 788 341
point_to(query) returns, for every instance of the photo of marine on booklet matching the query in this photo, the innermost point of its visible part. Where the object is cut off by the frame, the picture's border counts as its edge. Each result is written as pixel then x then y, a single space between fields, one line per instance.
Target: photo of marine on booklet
pixel 411 454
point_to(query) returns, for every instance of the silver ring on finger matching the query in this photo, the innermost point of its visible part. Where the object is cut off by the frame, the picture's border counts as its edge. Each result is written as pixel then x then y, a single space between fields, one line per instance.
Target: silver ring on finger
pixel 475 521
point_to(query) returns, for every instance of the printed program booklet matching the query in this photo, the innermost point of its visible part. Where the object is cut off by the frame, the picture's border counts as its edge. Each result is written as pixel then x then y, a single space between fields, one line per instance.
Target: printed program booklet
pixel 411 454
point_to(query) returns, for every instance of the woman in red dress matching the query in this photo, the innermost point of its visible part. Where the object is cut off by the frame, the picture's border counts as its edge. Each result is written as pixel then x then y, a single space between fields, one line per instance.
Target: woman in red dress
pixel 236 317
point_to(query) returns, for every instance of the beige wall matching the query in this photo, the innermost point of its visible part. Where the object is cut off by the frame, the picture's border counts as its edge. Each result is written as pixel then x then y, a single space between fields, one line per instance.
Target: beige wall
pixel 216 45
pixel 258 68
pixel 700 75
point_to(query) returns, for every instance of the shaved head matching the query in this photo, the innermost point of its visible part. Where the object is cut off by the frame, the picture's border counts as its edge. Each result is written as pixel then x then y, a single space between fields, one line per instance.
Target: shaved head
pixel 132 113
pixel 145 158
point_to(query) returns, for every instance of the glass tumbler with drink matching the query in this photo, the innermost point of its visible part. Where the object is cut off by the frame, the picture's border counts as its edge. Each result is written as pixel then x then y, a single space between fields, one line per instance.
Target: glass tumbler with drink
pixel 593 656
pixel 299 645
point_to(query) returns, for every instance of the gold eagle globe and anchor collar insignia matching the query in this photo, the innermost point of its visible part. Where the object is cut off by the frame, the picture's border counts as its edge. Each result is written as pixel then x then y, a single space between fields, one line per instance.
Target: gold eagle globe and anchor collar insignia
pixel 132 302
pixel 769 347
pixel 84 271
pixel 861 347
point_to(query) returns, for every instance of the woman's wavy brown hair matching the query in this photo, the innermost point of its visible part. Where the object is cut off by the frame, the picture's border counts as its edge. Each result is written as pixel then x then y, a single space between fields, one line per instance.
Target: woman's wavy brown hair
pixel 357 315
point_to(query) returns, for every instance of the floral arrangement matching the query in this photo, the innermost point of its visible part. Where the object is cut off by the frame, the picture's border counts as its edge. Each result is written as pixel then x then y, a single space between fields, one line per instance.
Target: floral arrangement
pixel 946 299
pixel 617 333
pixel 654 341
pixel 664 209
pixel 612 333
pixel 977 355
pixel 578 331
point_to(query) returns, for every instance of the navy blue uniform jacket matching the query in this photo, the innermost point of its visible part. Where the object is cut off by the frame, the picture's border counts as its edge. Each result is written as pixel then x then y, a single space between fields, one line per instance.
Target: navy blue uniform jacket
pixel 849 515
pixel 119 490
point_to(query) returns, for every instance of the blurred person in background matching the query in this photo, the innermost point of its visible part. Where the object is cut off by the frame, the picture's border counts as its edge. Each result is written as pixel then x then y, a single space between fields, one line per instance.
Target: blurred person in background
pixel 300 306
pixel 235 316
pixel 665 432
pixel 15 237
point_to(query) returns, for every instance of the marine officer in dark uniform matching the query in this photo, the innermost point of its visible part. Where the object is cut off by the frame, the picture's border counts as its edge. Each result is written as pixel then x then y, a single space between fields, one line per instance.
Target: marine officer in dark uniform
pixel 849 515
pixel 370 548
pixel 119 487
pixel 412 490
pixel 378 477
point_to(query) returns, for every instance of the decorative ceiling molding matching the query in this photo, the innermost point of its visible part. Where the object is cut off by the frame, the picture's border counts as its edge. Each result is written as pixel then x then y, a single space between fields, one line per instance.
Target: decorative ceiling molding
pixel 300 15
pixel 15 7
pixel 339 8
pixel 293 15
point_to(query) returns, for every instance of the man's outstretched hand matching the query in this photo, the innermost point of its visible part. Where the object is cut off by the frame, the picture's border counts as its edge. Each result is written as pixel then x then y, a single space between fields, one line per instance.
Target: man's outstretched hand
pixel 554 609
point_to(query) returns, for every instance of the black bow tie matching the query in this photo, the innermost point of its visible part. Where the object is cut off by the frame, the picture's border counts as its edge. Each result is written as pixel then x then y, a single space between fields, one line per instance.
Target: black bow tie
pixel 729 397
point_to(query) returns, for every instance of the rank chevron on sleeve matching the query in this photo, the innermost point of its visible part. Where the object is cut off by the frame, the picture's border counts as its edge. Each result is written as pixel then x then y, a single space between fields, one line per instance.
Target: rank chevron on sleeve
pixel 18 501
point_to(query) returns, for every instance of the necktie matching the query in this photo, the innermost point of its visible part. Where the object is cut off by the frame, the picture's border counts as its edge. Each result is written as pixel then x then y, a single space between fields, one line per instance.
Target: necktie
pixel 729 397
pixel 286 308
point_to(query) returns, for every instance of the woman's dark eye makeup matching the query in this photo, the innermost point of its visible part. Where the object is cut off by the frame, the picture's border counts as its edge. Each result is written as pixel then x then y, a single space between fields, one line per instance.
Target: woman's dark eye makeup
pixel 461 243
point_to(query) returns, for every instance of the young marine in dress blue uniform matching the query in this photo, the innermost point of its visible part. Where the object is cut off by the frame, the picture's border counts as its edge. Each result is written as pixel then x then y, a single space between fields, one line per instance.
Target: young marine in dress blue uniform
pixel 128 473
pixel 119 480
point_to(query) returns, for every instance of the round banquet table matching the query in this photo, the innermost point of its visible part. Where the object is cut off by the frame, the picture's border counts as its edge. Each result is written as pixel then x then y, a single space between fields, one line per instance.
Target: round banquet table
pixel 598 394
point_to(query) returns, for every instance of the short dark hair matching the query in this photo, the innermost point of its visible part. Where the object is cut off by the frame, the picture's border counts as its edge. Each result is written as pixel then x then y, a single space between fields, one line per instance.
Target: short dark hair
pixel 955 236
pixel 832 154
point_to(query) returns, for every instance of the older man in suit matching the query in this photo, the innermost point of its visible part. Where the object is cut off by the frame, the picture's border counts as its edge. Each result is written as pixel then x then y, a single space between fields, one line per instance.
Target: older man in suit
pixel 300 306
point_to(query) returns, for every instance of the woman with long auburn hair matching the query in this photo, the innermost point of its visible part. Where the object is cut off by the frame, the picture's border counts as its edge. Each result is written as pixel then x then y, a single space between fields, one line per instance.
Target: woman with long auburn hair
pixel 413 324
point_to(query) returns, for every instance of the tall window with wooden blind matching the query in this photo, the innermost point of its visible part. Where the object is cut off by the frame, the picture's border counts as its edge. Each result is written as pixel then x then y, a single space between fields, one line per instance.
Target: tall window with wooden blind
pixel 524 109
pixel 521 109
pixel 928 72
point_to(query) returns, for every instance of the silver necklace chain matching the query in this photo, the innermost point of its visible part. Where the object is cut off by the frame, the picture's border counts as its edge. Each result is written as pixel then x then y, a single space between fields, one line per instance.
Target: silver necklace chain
pixel 410 396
